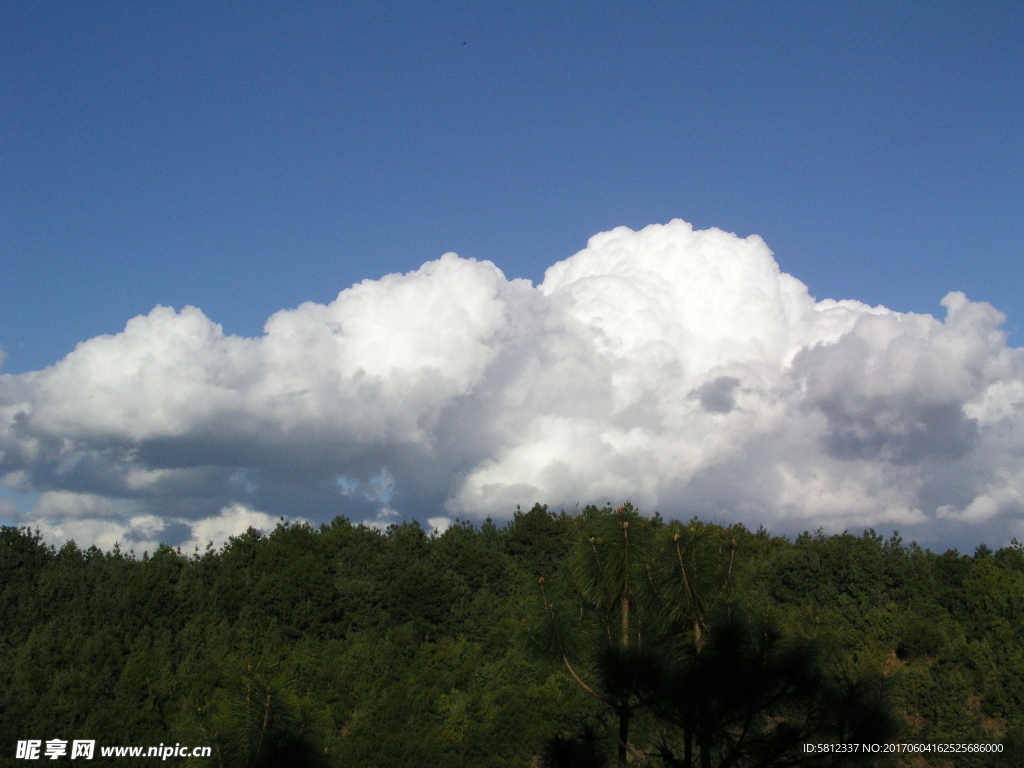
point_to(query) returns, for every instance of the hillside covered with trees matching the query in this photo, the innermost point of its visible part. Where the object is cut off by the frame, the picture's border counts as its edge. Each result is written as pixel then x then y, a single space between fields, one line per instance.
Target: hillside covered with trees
pixel 585 639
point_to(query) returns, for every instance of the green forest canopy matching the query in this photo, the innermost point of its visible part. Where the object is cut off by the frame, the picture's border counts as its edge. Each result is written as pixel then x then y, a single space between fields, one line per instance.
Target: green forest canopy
pixel 544 640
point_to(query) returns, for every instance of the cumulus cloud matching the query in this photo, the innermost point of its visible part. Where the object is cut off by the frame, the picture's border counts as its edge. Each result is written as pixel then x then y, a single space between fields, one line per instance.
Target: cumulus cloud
pixel 231 521
pixel 677 368
pixel 89 519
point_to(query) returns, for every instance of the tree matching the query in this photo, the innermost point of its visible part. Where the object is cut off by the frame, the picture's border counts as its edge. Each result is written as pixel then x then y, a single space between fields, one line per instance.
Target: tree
pixel 636 585
pixel 650 626
pixel 257 721
pixel 751 695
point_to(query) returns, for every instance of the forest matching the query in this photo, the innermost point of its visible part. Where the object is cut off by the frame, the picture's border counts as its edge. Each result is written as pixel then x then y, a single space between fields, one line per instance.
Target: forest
pixel 598 637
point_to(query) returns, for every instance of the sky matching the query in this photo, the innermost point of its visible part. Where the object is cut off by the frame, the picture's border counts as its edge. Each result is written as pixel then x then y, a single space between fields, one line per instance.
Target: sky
pixel 757 262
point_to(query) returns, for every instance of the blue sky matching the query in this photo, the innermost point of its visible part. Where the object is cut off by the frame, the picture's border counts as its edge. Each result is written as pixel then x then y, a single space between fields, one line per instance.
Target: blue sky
pixel 247 158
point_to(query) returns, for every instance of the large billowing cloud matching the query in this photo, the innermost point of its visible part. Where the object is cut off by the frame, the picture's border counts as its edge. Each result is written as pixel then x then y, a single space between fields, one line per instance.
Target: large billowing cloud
pixel 676 368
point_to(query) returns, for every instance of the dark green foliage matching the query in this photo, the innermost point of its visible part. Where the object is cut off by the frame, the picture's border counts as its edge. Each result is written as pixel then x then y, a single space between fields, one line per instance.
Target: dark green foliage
pixel 921 639
pixel 753 695
pixel 582 749
pixel 256 721
pixel 650 627
pixel 397 648
pixel 539 541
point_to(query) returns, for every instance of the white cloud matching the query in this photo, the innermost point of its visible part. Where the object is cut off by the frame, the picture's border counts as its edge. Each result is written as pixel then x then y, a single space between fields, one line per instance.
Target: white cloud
pixel 233 520
pixel 678 368
pixel 384 518
pixel 438 525
pixel 69 505
pixel 89 520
